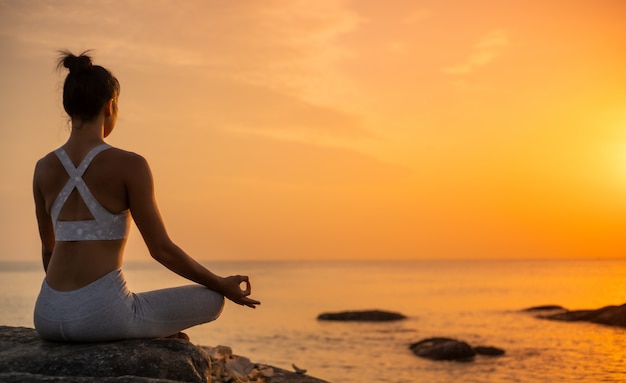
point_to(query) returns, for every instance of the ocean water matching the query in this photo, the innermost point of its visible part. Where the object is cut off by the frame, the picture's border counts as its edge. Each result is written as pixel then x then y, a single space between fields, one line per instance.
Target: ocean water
pixel 477 301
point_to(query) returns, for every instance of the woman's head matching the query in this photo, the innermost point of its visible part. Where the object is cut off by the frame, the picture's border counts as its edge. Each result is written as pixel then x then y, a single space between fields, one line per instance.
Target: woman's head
pixel 87 87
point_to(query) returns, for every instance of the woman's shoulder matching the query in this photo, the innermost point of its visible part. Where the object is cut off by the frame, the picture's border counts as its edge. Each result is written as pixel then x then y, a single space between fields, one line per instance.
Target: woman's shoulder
pixel 46 163
pixel 126 160
pixel 125 155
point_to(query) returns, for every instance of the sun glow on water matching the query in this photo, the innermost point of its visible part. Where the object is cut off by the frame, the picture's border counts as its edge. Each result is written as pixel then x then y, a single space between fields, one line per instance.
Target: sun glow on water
pixel 479 302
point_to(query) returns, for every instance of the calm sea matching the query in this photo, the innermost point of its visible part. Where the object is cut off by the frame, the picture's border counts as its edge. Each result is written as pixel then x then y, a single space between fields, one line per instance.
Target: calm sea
pixel 476 301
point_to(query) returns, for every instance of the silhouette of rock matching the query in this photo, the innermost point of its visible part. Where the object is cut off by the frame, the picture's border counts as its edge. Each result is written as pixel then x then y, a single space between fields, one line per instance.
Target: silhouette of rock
pixel 443 349
pixel 24 357
pixel 489 350
pixel 362 316
pixel 545 308
pixel 22 351
pixel 451 349
pixel 609 315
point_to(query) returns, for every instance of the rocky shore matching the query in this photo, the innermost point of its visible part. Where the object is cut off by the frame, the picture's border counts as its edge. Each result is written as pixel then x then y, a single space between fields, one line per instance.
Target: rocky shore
pixel 25 358
pixel 608 315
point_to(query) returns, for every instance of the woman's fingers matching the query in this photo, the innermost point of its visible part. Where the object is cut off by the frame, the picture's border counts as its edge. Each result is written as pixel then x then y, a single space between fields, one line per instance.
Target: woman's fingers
pixel 250 302
pixel 247 302
pixel 248 290
pixel 245 291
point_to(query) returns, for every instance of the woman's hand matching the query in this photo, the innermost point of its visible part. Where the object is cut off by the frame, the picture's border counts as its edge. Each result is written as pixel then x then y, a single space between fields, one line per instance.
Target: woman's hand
pixel 231 288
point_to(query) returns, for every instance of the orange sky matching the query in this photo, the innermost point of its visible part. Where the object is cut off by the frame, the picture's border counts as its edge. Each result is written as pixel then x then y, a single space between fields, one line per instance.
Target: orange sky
pixel 341 129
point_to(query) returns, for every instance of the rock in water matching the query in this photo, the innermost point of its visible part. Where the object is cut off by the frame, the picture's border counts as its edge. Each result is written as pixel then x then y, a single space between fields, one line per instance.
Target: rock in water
pixel 609 315
pixel 443 349
pixel 545 308
pixel 362 316
pixel 489 350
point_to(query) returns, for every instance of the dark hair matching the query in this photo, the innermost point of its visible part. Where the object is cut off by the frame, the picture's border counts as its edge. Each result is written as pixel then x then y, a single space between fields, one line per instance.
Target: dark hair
pixel 87 87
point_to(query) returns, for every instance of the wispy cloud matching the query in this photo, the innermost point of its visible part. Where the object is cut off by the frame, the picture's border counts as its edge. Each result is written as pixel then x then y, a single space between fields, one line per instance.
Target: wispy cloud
pixel 283 52
pixel 288 45
pixel 485 51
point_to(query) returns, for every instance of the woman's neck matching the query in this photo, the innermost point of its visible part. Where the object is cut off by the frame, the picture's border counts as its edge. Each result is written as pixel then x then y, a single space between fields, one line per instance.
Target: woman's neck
pixel 86 133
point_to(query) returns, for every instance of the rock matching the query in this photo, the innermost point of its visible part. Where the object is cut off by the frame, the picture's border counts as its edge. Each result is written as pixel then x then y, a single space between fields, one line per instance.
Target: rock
pixel 443 349
pixel 489 351
pixel 609 315
pixel 221 352
pixel 21 350
pixel 24 357
pixel 279 376
pixel 298 370
pixel 545 308
pixel 362 316
pixel 18 377
pixel 451 349
pixel 284 376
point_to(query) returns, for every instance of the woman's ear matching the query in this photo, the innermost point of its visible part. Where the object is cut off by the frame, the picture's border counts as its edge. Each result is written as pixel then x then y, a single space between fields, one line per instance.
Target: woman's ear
pixel 109 108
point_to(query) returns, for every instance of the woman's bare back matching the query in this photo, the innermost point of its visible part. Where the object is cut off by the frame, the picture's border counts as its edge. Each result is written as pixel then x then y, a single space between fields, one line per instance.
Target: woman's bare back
pixel 75 264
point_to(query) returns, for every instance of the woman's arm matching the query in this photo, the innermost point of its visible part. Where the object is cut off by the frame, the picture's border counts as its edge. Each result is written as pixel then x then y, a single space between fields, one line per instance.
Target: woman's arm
pixel 44 222
pixel 143 207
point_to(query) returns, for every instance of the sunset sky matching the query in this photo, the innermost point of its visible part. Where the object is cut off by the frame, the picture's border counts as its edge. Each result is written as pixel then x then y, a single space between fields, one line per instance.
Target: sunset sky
pixel 330 129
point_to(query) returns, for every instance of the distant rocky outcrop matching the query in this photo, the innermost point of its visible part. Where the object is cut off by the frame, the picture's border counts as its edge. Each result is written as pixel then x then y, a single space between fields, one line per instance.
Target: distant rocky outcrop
pixel 24 357
pixel 451 349
pixel 609 315
pixel 362 316
pixel 545 308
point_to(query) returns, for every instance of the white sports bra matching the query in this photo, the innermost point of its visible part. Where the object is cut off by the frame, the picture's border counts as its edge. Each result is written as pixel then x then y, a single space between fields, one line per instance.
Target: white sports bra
pixel 105 225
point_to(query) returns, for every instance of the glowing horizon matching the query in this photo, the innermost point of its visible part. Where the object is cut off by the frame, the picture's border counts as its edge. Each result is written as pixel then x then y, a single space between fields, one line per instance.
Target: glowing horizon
pixel 339 129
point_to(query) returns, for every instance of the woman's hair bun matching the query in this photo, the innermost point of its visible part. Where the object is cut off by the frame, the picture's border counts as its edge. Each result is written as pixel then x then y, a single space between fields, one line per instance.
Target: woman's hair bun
pixel 87 87
pixel 74 63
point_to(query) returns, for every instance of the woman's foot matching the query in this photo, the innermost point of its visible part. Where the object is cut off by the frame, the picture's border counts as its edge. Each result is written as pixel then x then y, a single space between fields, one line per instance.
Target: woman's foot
pixel 180 335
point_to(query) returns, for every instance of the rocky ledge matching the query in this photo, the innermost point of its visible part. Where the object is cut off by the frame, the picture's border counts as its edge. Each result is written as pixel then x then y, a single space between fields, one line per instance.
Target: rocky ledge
pixel 609 315
pixel 362 316
pixel 24 357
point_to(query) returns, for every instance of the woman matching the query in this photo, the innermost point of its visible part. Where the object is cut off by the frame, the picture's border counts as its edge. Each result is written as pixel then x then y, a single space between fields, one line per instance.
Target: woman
pixel 85 193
